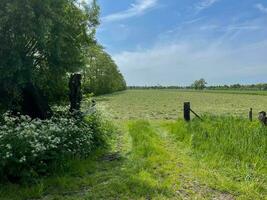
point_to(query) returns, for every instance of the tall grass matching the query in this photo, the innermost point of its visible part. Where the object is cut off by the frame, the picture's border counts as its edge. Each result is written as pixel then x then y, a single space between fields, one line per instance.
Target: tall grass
pixel 232 147
pixel 227 139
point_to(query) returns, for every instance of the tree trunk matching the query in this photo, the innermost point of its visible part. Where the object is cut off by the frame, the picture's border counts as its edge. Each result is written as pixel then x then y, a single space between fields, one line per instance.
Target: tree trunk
pixel 75 92
pixel 34 104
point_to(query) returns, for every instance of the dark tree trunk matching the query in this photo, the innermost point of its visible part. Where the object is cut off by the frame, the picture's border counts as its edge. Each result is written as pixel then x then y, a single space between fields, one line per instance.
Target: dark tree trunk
pixel 75 92
pixel 34 103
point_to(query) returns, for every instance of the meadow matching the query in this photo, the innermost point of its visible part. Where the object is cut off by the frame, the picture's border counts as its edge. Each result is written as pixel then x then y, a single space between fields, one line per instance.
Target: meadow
pixel 155 154
pixel 168 104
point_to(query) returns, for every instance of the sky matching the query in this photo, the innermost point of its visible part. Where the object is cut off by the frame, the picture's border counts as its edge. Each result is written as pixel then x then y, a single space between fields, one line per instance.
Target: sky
pixel 174 42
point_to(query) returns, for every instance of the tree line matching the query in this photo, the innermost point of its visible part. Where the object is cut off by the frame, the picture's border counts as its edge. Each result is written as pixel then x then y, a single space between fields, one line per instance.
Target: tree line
pixel 201 84
pixel 101 75
pixel 43 42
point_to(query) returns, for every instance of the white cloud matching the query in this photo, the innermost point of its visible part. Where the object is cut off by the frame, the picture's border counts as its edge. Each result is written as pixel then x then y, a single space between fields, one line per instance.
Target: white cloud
pixel 138 8
pixel 204 4
pixel 193 20
pixel 261 7
pixel 222 54
pixel 182 63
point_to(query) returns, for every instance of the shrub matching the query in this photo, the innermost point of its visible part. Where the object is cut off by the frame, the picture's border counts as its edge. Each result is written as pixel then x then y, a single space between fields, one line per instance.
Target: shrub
pixel 30 147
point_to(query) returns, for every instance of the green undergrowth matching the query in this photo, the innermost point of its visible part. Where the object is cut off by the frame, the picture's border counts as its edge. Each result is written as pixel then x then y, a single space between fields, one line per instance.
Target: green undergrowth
pixel 143 173
pixel 234 149
pixel 162 160
pixel 146 168
pixel 139 172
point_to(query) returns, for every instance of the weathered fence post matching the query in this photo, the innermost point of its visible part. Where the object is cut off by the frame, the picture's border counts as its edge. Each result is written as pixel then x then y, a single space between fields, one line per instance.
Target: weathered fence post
pixel 187 111
pixel 75 92
pixel 250 115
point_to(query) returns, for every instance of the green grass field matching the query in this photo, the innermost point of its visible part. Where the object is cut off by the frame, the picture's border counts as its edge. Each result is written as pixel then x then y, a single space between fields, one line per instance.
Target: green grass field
pixel 220 158
pixel 168 104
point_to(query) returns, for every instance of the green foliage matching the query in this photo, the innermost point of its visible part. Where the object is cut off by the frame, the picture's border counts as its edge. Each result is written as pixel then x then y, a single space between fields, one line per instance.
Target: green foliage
pixel 142 132
pixel 101 76
pixel 41 41
pixel 233 148
pixel 30 148
pixel 228 140
pixel 102 129
pixel 151 164
pixel 136 174
pixel 253 87
pixel 199 84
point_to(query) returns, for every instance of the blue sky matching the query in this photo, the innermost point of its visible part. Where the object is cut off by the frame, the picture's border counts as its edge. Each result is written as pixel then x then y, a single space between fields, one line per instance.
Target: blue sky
pixel 174 42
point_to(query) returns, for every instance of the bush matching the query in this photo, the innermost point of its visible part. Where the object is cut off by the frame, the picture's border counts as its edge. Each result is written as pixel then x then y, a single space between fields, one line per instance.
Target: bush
pixel 29 148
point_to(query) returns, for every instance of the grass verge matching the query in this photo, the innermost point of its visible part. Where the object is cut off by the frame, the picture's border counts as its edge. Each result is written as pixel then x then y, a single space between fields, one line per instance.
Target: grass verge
pixel 234 151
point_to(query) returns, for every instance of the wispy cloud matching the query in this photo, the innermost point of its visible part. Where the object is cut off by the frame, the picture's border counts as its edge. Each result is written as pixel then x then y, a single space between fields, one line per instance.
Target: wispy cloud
pixel 182 63
pixel 138 8
pixel 208 49
pixel 243 27
pixel 261 7
pixel 192 21
pixel 204 4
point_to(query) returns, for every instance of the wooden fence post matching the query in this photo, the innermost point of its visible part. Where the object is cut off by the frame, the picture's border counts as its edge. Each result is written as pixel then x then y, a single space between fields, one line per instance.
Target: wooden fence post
pixel 187 111
pixel 250 115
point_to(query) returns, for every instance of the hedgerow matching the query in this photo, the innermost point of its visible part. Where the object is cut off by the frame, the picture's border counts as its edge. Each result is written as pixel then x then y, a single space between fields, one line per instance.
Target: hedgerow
pixel 30 147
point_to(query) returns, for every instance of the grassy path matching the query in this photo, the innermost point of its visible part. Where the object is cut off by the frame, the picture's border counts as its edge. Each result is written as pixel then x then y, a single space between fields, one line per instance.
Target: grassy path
pixel 145 163
pixel 151 167
pixel 190 184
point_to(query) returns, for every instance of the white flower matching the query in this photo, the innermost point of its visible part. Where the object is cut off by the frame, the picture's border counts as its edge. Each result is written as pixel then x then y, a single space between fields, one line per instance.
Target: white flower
pixel 32 126
pixel 23 117
pixel 8 155
pixel 22 159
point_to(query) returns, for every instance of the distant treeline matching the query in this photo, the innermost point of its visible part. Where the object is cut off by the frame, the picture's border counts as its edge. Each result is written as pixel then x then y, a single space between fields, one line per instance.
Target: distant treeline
pixel 260 86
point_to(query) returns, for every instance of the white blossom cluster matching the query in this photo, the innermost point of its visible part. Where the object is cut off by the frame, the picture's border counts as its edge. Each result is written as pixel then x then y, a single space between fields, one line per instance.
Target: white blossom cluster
pixel 24 141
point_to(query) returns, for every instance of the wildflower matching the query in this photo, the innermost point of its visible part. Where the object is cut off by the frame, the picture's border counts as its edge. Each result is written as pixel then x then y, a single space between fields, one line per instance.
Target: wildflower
pixel 22 159
pixel 8 155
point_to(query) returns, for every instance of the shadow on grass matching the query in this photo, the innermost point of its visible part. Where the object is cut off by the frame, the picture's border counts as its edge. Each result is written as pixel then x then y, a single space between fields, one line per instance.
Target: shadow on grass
pixel 94 178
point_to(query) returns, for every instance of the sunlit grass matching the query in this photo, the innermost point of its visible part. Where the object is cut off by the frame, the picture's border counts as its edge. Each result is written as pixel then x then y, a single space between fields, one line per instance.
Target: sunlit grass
pixel 234 148
pixel 218 158
pixel 168 104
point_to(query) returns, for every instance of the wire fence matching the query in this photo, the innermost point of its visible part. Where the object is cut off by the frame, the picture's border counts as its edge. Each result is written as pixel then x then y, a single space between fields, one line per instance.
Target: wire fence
pixel 262 116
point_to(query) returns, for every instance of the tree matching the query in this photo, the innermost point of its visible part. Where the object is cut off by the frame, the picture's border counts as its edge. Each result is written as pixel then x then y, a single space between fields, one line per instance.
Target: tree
pixel 199 84
pixel 42 41
pixel 101 75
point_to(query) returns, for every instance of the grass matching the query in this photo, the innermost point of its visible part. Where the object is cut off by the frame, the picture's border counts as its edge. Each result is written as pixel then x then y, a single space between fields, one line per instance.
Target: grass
pixel 229 138
pixel 235 149
pixel 168 104
pixel 149 167
pixel 158 160
pixel 219 158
